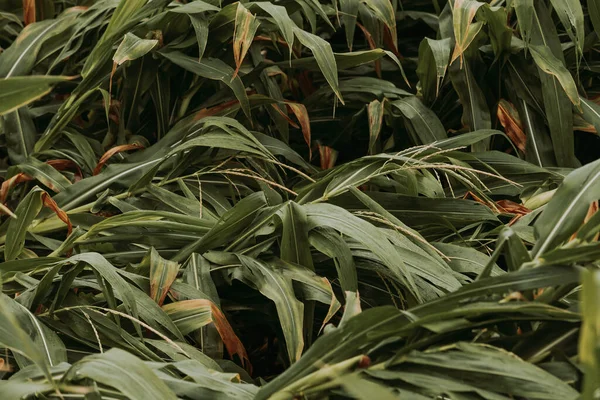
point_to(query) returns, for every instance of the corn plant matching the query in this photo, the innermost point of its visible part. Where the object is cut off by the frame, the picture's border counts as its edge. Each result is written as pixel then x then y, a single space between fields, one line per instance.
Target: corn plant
pixel 299 199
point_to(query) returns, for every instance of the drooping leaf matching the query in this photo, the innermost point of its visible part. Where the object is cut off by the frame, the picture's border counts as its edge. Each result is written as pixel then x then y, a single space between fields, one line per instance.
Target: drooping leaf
pixel 194 7
pixel 525 15
pixel 231 223
pixel 47 342
pixel 551 65
pixel 216 385
pixel 200 25
pixel 134 379
pixel 327 215
pixel 278 288
pixel 45 174
pixel 191 315
pixel 214 69
pixel 132 47
pixel 332 244
pixel 476 113
pixel 502 365
pixel 322 52
pixel 370 327
pixel 301 113
pixel 162 275
pixel 109 273
pixel 282 19
pixel 20 91
pixel 385 12
pixel 557 103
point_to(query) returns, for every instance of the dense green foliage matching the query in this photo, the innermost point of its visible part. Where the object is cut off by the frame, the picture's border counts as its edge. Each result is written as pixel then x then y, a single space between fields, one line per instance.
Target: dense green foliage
pixel 366 199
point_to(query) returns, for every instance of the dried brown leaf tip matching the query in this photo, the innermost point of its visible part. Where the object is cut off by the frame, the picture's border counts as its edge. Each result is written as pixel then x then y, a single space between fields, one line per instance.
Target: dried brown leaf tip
pixel 509 118
pixel 115 150
pixel 328 156
pixel 29 11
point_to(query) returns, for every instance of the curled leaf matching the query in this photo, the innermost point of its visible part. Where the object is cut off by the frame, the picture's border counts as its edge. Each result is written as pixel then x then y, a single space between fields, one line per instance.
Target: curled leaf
pixel 28 11
pixel 190 315
pixel 328 156
pixel 509 118
pixel 246 25
pixel 465 29
pixel 300 112
pixel 112 152
pixel 162 275
pixel 49 202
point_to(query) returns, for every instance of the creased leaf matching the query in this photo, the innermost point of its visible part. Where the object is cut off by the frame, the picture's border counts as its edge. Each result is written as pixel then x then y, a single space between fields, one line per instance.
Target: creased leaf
pixel 162 275
pixel 465 30
pixel 132 47
pixel 246 25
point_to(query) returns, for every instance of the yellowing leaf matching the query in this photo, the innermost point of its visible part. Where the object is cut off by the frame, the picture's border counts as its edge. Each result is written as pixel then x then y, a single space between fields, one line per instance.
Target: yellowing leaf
pixel 465 29
pixel 246 25
pixel 111 152
pixel 509 118
pixel 300 112
pixel 28 11
pixel 162 275
pixel 190 315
